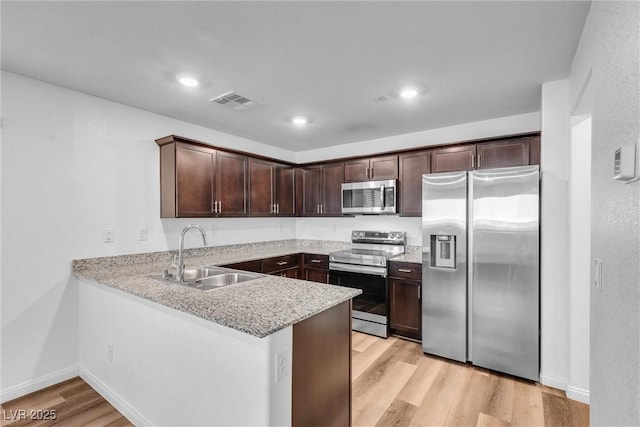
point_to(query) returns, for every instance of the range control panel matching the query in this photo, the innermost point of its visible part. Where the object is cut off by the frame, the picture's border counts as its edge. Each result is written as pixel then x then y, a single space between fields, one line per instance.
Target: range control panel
pixel 385 237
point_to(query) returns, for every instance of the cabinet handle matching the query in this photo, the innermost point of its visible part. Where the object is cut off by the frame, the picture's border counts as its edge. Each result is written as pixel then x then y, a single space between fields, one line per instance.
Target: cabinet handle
pixel 282 263
pixel 219 206
pixel 316 260
pixel 213 207
pixel 278 208
pixel 404 270
pixel 322 208
pixel 473 161
pixel 273 208
pixel 318 209
pixel 479 162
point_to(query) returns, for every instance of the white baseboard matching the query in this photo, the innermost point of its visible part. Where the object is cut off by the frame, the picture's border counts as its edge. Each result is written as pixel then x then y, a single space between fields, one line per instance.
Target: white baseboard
pixel 38 384
pixel 114 399
pixel 552 381
pixel 579 394
pixel 573 393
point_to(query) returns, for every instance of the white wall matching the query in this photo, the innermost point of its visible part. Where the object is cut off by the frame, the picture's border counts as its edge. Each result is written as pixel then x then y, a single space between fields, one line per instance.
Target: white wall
pixel 579 258
pixel 521 123
pixel 554 236
pixel 609 56
pixel 73 165
pixel 175 369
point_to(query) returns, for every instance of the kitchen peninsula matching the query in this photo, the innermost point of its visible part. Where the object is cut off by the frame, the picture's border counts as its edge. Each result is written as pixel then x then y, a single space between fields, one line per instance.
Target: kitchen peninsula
pixel 270 351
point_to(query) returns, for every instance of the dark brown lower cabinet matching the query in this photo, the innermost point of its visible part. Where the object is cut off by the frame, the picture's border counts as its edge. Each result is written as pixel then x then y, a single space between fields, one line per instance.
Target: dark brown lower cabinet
pixel 313 275
pixel 291 273
pixel 321 369
pixel 254 266
pixel 316 268
pixel 405 299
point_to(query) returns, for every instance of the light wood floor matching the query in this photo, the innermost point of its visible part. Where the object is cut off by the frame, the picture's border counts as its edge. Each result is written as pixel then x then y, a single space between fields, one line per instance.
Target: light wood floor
pixel 394 384
pixel 73 402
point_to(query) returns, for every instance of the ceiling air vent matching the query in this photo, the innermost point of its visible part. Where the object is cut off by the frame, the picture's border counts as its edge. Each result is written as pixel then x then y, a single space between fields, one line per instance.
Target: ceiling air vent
pixel 235 101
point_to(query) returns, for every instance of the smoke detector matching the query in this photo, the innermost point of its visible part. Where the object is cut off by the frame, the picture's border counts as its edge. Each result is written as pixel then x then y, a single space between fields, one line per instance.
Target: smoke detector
pixel 234 101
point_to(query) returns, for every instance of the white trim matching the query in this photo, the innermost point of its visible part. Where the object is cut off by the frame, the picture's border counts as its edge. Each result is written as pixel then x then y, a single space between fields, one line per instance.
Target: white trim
pixel 573 393
pixel 579 394
pixel 116 401
pixel 38 384
pixel 555 382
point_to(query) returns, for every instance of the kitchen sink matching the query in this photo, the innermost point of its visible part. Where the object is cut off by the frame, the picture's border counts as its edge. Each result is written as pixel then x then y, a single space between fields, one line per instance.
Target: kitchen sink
pixel 191 274
pixel 209 278
pixel 220 280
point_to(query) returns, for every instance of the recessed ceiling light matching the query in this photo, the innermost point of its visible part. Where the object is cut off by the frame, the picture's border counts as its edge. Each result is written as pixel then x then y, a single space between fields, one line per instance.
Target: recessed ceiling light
pixel 188 81
pixel 299 120
pixel 408 93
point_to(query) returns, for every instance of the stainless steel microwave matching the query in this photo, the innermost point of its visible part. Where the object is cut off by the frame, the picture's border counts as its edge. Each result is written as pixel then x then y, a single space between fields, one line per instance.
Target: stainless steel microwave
pixel 371 197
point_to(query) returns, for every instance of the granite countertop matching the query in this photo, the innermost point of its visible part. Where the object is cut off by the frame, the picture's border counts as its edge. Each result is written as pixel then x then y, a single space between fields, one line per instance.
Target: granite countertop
pixel 259 307
pixel 413 254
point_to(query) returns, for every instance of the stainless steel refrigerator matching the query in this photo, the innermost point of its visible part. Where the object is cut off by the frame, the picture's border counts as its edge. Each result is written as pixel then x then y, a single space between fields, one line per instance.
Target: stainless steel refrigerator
pixel 480 278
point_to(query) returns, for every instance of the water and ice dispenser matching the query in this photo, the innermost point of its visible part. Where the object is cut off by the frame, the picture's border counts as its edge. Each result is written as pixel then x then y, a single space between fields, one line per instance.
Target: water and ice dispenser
pixel 443 251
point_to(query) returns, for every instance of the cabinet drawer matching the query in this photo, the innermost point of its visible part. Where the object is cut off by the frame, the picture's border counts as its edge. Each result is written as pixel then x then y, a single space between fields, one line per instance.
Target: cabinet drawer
pixel 284 262
pixel 405 270
pixel 316 261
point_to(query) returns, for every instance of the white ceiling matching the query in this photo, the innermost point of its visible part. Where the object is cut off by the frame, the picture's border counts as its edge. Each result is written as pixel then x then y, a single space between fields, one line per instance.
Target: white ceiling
pixel 330 60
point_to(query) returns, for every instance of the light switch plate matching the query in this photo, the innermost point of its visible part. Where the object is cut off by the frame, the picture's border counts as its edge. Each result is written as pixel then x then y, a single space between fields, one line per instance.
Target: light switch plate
pixel 597 274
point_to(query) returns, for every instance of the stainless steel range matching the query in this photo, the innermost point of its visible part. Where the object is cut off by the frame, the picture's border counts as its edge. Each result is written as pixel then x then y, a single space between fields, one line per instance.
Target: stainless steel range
pixel 364 267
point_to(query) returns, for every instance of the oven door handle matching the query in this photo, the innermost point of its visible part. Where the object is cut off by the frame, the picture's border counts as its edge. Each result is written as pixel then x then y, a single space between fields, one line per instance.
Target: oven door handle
pixel 364 269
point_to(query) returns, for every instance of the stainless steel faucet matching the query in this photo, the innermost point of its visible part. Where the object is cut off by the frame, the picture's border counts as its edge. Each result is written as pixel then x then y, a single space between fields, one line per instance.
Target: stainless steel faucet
pixel 179 263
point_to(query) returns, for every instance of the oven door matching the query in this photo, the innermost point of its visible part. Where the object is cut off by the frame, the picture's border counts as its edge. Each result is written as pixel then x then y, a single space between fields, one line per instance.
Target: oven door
pixel 371 308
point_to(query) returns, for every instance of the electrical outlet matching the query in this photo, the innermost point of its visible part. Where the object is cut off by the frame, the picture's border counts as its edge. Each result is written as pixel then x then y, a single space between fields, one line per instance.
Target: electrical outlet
pixel 110 353
pixel 108 235
pixel 282 365
pixel 142 233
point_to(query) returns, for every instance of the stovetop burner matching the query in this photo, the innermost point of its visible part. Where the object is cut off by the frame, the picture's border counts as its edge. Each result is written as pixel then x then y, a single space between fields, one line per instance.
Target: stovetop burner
pixel 371 248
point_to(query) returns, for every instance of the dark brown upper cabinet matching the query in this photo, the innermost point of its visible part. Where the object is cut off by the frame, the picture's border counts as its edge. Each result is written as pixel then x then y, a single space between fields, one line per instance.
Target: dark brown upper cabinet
pixel 412 166
pixel 371 169
pixel 198 181
pixel 272 188
pixel 520 151
pixel 320 189
pixel 503 154
pixel 458 158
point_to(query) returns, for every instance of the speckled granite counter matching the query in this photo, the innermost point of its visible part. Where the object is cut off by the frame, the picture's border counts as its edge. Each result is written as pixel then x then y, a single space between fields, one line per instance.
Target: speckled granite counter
pixel 259 307
pixel 413 254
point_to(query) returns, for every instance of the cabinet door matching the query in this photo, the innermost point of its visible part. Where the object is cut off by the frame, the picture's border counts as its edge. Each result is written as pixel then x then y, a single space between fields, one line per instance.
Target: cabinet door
pixel 291 273
pixel 195 167
pixel 313 275
pixel 405 308
pixel 503 154
pixel 311 185
pixel 261 184
pixel 356 170
pixel 412 167
pixel 232 179
pixel 449 159
pixel 383 168
pixel 284 180
pixel 534 150
pixel 332 179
